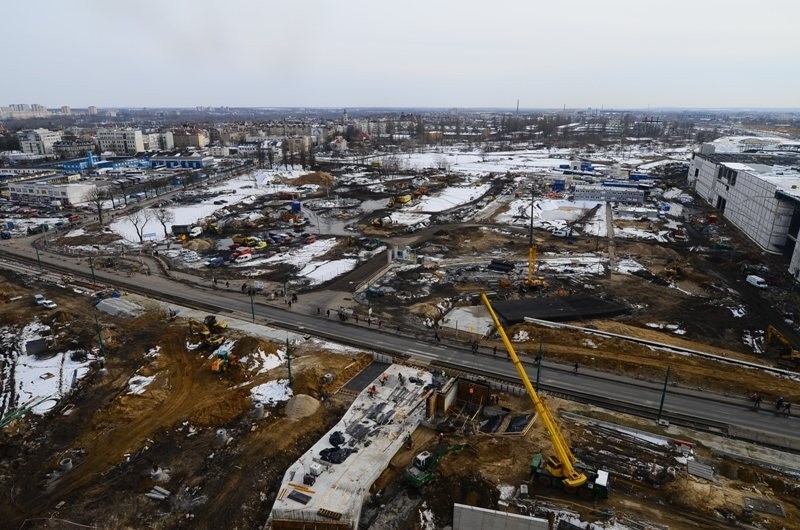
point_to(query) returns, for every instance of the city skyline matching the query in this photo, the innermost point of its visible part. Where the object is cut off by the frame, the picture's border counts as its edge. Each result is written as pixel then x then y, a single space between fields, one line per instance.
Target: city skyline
pixel 619 55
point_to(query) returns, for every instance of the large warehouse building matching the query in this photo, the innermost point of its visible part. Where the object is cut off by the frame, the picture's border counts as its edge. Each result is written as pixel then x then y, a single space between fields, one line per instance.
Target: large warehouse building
pixel 757 190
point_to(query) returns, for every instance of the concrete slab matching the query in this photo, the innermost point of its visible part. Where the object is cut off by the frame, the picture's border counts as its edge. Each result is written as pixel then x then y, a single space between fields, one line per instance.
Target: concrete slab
pixel 469 319
pixel 474 518
pixel 374 429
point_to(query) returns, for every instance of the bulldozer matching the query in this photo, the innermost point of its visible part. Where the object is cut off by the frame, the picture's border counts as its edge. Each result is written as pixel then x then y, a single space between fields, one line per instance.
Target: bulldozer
pixel 787 355
pixel 200 330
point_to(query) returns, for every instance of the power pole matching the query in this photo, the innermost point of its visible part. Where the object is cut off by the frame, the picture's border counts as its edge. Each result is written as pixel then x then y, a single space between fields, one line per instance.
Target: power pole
pixel 663 395
pixel 539 364
pixel 289 361
pixel 91 266
pixel 99 336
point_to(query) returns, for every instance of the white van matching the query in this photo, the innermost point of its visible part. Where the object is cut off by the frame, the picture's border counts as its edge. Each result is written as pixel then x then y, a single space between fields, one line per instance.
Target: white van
pixel 243 258
pixel 196 231
pixel 758 281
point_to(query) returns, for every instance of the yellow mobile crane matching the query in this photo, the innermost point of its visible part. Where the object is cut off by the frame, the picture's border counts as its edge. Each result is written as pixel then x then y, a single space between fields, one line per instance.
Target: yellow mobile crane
pixel 557 470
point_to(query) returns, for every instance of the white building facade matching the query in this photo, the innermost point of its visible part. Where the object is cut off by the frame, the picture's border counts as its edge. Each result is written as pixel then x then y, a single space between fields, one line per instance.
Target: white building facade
pixel 38 141
pixel 129 141
pixel 756 194
pixel 51 193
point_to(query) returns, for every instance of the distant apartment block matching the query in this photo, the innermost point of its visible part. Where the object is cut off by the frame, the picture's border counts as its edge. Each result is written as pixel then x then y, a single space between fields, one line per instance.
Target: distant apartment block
pixel 129 141
pixel 182 162
pixel 190 138
pixel 38 141
pixel 74 148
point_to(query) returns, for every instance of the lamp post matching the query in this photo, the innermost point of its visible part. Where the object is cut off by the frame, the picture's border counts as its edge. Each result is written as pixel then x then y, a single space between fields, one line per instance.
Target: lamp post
pixel 91 266
pixel 663 395
pixel 539 364
pixel 99 336
pixel 250 291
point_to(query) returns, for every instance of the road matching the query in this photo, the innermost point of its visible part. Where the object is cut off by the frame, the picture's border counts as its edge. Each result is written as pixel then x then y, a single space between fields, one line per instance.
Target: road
pixel 698 407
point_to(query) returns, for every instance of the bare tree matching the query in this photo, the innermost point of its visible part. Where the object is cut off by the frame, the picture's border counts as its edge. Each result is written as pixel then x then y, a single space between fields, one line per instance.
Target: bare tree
pixel 139 219
pixel 98 198
pixel 164 216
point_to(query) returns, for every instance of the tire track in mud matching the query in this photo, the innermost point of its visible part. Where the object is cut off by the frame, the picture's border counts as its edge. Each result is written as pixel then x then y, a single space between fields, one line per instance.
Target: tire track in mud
pixel 107 448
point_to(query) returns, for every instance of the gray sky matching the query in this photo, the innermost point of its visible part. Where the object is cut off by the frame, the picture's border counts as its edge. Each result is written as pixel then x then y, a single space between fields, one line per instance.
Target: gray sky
pixel 578 53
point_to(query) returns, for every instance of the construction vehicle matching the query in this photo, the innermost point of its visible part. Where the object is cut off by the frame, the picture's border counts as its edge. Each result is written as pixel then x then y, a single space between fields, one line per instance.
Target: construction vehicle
pixel 201 330
pixel 559 469
pixel 423 469
pixel 222 362
pixel 533 281
pixel 215 324
pixel 382 221
pixel 787 355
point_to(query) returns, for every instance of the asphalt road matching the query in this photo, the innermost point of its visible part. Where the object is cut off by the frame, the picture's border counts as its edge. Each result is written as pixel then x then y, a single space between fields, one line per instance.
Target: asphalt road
pixel 681 404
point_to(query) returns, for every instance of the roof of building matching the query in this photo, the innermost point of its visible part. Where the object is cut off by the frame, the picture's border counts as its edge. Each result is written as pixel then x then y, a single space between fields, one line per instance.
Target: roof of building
pixel 374 429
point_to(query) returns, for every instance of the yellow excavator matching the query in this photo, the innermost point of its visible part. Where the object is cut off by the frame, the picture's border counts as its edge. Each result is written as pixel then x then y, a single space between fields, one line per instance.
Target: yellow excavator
pixel 201 330
pixel 559 469
pixel 787 355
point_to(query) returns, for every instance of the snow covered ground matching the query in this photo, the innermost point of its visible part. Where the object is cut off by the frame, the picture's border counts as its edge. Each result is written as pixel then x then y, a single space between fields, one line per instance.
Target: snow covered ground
pixel 448 198
pixel 318 272
pixel 36 378
pixel 272 392
pixel 260 183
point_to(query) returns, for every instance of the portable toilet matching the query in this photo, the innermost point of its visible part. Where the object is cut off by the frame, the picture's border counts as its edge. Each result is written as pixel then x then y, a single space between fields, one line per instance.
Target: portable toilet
pixel 296 206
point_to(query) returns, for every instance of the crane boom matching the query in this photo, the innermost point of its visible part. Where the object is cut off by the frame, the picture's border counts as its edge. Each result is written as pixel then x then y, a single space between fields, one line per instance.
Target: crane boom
pixel 563 467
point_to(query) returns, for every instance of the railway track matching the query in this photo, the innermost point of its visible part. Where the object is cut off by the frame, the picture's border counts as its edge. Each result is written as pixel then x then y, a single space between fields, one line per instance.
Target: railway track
pixel 428 359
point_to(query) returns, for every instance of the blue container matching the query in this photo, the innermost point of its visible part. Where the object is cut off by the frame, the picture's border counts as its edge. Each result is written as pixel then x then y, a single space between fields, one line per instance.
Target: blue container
pixel 296 206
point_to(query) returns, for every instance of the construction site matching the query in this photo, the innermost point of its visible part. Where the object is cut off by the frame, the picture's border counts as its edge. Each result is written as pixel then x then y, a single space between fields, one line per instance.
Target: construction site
pixel 512 356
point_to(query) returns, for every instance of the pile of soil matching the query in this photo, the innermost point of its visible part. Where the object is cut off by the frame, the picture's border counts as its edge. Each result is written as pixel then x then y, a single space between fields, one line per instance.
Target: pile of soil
pixel 301 406
pixel 199 244
pixel 247 345
pixel 317 177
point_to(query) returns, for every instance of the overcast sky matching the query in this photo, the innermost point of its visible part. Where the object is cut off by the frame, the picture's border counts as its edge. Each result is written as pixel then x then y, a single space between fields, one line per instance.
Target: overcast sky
pixel 432 53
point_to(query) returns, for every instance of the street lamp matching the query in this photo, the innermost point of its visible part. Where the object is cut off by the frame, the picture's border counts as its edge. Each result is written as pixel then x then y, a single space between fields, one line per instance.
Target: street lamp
pixel 91 266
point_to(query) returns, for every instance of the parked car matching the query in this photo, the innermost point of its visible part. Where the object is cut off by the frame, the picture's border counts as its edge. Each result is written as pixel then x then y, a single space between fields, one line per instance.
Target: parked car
pixel 49 304
pixel 39 299
pixel 757 281
pixel 243 258
pixel 215 262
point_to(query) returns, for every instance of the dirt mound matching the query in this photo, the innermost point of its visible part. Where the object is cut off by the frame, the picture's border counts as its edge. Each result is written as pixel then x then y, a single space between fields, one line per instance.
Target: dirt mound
pixel 301 406
pixel 247 345
pixel 317 177
pixel 198 244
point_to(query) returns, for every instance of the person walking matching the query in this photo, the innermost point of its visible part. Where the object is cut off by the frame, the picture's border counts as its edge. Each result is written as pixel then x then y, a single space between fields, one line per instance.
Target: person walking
pixel 494 350
pixel 329 313
pixel 227 284
pixel 318 310
pixel 575 370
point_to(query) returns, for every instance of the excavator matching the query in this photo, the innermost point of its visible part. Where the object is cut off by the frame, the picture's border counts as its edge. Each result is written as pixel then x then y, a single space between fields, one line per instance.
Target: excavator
pixel 423 469
pixel 787 355
pixel 559 469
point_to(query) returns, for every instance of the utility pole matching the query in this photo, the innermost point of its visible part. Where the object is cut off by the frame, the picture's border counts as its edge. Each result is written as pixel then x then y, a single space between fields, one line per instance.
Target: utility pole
pixel 99 336
pixel 289 361
pixel 38 258
pixel 539 364
pixel 91 266
pixel 252 306
pixel 663 395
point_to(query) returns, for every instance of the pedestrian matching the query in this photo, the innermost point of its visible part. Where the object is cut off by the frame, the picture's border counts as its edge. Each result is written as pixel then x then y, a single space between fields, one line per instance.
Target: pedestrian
pixel 329 313
pixel 576 368
pixel 787 409
pixel 369 321
pixel 318 310
pixel 227 284
pixel 356 317
pixel 290 304
pixel 380 323
pixel 436 336
pixel 494 350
